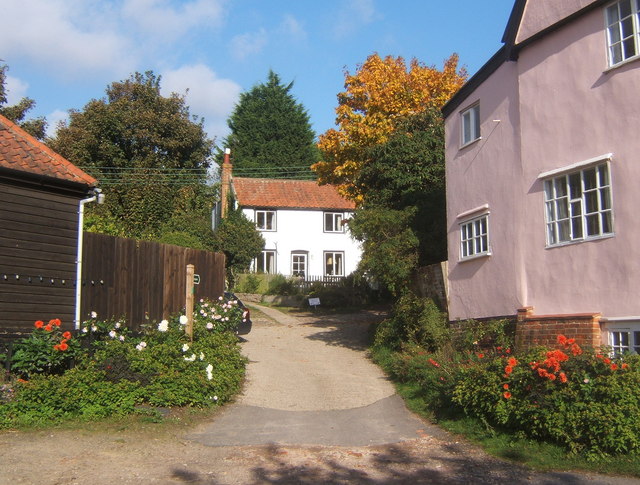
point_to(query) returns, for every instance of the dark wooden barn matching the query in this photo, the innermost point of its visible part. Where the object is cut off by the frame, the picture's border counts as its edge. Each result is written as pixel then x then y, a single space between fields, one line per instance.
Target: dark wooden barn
pixel 39 197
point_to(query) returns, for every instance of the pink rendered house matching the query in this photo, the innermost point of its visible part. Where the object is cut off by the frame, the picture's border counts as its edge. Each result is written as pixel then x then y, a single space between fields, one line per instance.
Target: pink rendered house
pixel 543 176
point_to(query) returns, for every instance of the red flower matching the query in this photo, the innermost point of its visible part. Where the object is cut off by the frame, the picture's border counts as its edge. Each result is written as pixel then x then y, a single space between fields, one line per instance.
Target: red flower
pixel 607 361
pixel 63 346
pixel 480 356
pixel 562 340
pixel 625 366
pixel 56 347
pixel 48 327
pixel 571 341
pixel 56 322
pixel 508 370
pixel 66 335
pixel 575 349
pixel 563 377
pixel 512 362
pixel 614 366
pixel 506 386
pixel 508 351
pixel 507 395
pixel 434 363
pixel 39 324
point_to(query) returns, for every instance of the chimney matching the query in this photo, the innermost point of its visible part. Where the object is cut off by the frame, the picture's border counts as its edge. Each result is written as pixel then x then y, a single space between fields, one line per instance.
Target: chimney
pixel 226 182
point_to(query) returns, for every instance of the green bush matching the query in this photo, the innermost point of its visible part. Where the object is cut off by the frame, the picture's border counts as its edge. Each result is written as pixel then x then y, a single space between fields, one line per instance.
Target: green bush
pixel 414 321
pixel 281 285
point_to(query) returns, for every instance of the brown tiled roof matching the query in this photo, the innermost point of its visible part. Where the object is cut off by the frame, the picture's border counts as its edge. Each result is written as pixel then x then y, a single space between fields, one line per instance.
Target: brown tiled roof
pixel 22 152
pixel 291 194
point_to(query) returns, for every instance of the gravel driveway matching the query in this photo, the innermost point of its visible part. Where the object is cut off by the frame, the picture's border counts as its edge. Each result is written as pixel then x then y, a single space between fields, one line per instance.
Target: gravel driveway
pixel 314 411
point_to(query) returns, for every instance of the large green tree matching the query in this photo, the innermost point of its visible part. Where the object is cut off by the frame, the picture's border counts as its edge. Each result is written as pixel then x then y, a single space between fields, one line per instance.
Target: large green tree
pixel 270 133
pixel 402 219
pixel 144 148
pixel 18 112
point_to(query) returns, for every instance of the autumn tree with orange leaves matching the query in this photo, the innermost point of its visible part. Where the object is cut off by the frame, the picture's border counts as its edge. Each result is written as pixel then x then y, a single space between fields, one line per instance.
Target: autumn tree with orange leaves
pixel 377 98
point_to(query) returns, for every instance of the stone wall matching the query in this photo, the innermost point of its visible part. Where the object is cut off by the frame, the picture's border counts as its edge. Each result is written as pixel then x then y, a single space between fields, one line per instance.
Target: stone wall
pixel 431 282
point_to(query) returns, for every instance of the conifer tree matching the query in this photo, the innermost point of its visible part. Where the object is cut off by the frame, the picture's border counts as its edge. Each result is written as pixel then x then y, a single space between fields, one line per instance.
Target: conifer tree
pixel 271 135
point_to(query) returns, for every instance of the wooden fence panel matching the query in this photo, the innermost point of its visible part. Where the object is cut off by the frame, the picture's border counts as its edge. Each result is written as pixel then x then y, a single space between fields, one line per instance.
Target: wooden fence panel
pixel 143 281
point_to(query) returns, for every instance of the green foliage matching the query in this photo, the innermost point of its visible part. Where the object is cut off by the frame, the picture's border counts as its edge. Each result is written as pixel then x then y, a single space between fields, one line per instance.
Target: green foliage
pixel 473 334
pixel 161 367
pixel 270 132
pixel 414 321
pixel 17 113
pixel 249 283
pixel 390 247
pixel 143 148
pixel 240 241
pixel 282 285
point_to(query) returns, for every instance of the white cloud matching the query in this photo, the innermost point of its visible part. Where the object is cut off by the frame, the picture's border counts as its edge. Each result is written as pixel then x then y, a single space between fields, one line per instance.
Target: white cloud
pixel 53 119
pixel 251 43
pixel 292 27
pixel 163 20
pixel 354 14
pixel 66 37
pixel 208 95
pixel 16 89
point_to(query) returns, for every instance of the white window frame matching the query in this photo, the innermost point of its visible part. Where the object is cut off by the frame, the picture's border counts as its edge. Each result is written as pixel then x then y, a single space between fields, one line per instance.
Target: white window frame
pixel 295 265
pixel 266 262
pixel 622 31
pixel 623 337
pixel 574 207
pixel 337 263
pixel 474 237
pixel 334 222
pixel 470 125
pixel 267 224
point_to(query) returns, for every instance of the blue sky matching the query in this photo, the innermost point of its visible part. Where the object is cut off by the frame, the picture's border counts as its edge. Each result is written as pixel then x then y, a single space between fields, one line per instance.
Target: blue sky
pixel 63 53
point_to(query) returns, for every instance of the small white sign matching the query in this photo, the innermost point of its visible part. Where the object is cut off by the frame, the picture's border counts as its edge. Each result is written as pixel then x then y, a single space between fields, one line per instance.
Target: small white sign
pixel 314 301
pixel 196 279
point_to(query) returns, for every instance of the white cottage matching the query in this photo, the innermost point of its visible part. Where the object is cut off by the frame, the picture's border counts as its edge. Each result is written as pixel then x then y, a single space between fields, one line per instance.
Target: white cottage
pixel 304 225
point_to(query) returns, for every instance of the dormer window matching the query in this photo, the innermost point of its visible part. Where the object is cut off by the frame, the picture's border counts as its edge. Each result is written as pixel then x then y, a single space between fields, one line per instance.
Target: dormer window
pixel 470 124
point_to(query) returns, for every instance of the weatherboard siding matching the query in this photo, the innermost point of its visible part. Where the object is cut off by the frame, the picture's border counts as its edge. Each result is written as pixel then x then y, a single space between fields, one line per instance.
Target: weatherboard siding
pixel 38 238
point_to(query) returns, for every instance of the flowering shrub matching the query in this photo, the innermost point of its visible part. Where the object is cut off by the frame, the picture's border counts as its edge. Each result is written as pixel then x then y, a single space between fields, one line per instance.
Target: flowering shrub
pixel 47 350
pixel 118 369
pixel 586 401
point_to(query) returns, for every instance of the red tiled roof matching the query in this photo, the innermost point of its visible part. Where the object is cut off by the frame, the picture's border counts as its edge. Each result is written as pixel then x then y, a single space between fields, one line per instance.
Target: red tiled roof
pixel 21 151
pixel 292 194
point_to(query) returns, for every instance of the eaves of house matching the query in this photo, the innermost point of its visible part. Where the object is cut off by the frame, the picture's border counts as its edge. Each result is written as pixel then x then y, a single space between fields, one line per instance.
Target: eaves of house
pixel 515 38
pixel 23 157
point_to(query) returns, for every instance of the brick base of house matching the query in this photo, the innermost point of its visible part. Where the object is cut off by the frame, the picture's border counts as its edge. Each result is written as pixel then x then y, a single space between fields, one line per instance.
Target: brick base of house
pixel 532 330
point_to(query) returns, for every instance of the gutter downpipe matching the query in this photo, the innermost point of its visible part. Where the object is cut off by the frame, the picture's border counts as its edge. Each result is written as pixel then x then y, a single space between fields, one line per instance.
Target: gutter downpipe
pixel 100 198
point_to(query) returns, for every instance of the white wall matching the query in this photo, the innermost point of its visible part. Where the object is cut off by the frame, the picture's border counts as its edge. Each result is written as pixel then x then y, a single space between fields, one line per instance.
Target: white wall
pixel 303 230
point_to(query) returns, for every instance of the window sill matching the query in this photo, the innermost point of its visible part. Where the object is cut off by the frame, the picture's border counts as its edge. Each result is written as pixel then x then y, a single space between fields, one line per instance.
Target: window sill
pixel 622 63
pixel 579 241
pixel 469 143
pixel 475 256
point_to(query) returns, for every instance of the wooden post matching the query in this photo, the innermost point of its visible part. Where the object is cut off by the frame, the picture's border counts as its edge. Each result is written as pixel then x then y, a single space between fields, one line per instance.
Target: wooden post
pixel 189 301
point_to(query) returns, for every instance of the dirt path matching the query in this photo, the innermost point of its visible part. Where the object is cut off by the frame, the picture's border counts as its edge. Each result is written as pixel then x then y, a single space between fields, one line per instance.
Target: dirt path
pixel 283 380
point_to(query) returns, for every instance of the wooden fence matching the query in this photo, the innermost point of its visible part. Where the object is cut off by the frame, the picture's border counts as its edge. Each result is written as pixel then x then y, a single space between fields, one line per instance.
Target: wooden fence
pixel 143 281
